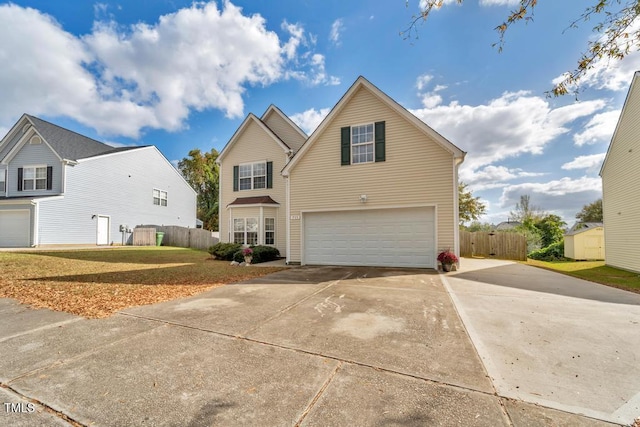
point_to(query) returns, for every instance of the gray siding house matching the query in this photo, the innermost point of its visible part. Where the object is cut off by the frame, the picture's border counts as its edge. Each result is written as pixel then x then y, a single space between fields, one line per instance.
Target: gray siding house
pixel 60 187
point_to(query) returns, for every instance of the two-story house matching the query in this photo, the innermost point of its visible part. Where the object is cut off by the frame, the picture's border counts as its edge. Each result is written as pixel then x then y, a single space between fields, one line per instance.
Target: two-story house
pixel 373 185
pixel 60 187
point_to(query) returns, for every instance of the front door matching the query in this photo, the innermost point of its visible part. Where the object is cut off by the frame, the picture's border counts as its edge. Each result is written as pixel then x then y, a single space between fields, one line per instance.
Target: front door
pixel 103 230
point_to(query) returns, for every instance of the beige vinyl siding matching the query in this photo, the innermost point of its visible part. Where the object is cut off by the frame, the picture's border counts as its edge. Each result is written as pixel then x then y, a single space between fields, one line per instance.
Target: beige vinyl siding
pixel 281 127
pixel 254 145
pixel 417 171
pixel 588 245
pixel 621 188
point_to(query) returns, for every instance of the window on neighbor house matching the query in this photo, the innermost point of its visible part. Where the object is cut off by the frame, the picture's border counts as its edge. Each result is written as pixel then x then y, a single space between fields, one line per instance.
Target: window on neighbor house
pixel 34 178
pixel 3 180
pixel 269 231
pixel 159 197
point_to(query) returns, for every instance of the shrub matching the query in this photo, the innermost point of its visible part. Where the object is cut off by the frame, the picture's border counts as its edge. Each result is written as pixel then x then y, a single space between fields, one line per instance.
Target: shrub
pixel 553 252
pixel 260 254
pixel 225 251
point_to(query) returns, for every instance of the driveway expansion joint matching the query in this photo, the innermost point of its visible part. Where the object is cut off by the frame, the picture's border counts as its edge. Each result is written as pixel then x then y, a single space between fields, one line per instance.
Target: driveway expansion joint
pixel 318 395
pixel 41 328
pixel 46 407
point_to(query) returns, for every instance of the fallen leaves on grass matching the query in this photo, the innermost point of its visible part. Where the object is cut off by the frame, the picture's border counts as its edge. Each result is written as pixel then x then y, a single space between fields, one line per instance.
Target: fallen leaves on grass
pixel 98 283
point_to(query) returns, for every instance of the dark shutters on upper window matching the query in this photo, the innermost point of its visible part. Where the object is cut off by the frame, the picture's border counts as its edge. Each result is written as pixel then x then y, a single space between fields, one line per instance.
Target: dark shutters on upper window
pixel 380 140
pixel 345 145
pixel 236 177
pixel 269 174
pixel 49 177
pixel 19 179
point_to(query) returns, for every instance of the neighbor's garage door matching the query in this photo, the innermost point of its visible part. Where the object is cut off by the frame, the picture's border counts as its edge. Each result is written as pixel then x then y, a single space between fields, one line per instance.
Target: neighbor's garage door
pixel 380 237
pixel 14 228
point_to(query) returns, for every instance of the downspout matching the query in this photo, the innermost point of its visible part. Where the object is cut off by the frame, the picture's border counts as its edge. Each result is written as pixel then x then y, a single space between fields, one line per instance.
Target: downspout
pixel 456 208
pixel 288 219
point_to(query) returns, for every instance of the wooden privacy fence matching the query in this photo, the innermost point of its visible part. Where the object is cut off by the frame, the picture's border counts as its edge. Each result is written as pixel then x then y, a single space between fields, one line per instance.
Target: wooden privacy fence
pixel 493 245
pixel 183 237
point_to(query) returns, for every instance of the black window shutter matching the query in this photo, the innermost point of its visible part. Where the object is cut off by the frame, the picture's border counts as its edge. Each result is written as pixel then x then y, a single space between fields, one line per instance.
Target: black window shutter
pixel 49 177
pixel 269 174
pixel 345 145
pixel 380 140
pixel 236 177
pixel 19 179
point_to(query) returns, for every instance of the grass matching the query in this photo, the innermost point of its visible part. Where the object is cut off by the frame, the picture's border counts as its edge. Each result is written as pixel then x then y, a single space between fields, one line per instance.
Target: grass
pixel 97 283
pixel 594 271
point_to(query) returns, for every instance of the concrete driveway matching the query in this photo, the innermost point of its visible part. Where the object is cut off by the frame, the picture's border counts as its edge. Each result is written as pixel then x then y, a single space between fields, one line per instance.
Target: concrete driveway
pixel 307 346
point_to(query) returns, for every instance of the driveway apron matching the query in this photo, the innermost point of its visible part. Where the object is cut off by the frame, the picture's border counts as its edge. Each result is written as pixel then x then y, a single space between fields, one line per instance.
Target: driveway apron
pixel 551 339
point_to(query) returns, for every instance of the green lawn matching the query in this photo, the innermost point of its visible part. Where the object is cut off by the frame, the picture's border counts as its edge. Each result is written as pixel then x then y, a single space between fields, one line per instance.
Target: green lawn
pixel 594 271
pixel 97 283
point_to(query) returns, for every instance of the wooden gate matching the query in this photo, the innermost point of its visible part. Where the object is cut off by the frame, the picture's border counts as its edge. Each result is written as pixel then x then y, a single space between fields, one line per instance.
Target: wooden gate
pixel 499 245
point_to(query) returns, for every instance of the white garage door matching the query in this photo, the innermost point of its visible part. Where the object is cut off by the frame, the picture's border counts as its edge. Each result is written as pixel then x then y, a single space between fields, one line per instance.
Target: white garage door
pixel 380 237
pixel 14 228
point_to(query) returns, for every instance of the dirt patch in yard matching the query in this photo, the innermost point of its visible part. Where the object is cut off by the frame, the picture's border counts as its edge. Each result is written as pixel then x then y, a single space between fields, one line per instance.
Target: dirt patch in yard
pixel 98 283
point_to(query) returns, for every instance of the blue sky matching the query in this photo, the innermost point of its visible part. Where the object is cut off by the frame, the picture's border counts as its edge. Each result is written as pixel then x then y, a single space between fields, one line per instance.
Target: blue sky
pixel 183 75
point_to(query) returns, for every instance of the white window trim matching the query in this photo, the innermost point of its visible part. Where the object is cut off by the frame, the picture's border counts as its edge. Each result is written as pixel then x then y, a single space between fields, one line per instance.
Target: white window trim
pixel 160 198
pixel 3 180
pixel 362 144
pixel 265 231
pixel 245 231
pixel 35 179
pixel 253 176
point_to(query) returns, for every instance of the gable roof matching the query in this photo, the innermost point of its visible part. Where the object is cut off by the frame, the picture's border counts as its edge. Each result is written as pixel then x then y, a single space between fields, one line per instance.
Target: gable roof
pixel 634 84
pixel 362 82
pixel 251 118
pixel 272 109
pixel 67 144
pixel 581 227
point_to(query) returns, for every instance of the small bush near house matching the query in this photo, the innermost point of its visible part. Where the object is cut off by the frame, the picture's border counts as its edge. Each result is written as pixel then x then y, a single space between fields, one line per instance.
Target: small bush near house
pixel 260 254
pixel 225 251
pixel 553 252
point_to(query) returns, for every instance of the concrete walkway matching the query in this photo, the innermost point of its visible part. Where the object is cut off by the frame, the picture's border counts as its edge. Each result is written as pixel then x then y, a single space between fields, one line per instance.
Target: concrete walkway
pixel 551 339
pixel 304 347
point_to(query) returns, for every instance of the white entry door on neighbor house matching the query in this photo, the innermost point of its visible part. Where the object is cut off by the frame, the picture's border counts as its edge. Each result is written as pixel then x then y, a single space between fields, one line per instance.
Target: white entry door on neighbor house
pixel 103 230
pixel 377 237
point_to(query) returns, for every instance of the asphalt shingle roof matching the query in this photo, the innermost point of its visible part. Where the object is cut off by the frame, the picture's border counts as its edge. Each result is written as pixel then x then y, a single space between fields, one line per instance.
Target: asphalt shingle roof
pixel 68 144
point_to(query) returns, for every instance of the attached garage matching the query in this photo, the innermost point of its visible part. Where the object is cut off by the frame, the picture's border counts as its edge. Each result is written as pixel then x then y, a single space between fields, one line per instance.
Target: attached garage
pixel 372 237
pixel 15 228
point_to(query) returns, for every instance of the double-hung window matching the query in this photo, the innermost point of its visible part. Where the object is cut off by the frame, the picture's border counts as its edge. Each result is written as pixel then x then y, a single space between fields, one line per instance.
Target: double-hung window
pixel 362 143
pixel 159 197
pixel 34 178
pixel 253 176
pixel 269 231
pixel 245 231
pixel 3 181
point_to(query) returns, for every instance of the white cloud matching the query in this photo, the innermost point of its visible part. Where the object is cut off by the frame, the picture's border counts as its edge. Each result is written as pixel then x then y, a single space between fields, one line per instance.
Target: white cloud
pixel 121 80
pixel 564 196
pixel 613 74
pixel 590 162
pixel 431 100
pixel 508 126
pixel 422 81
pixel 310 119
pixel 336 29
pixel 493 176
pixel 600 128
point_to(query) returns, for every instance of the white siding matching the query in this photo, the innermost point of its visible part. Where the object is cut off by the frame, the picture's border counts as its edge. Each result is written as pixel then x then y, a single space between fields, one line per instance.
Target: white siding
pixel 119 186
pixel 34 154
pixel 621 188
pixel 417 171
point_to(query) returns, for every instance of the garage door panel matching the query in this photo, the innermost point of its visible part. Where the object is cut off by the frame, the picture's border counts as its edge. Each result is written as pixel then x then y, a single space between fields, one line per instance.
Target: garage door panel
pixel 14 228
pixel 384 237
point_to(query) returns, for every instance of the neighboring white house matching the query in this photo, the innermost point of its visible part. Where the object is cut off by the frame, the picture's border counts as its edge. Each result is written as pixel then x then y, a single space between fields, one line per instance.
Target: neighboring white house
pixel 373 185
pixel 60 187
pixel 621 186
pixel 585 241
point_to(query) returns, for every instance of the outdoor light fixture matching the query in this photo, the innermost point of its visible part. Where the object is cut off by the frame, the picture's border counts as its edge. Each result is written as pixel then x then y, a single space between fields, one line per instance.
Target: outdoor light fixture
pixel 363 198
